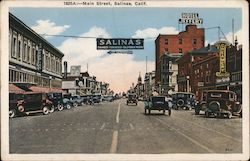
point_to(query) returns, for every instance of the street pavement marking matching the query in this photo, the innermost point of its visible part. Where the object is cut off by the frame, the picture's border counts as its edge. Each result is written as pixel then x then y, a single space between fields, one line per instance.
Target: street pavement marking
pixel 113 148
pixel 102 126
pixel 209 129
pixel 131 126
pixel 118 113
pixel 189 138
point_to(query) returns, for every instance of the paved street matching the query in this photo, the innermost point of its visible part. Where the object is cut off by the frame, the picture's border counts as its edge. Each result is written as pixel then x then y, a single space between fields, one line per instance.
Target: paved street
pixel 117 128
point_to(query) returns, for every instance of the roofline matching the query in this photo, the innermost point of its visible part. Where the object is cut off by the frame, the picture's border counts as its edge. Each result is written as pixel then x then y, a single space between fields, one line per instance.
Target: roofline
pixel 32 31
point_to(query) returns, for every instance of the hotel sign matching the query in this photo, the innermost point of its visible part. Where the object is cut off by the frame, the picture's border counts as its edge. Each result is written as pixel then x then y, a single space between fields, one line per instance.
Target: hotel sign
pixel 119 43
pixel 222 47
pixel 190 19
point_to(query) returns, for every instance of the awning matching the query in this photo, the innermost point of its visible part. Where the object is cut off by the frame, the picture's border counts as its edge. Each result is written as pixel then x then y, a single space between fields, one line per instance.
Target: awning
pixel 14 89
pixel 45 89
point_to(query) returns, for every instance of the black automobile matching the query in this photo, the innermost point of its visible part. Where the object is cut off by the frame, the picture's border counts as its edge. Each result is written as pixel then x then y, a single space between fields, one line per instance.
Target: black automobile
pixel 160 103
pixel 219 103
pixel 78 100
pixel 30 102
pixel 183 100
pixel 15 104
pixel 96 98
pixel 74 101
pixel 57 100
pixel 132 99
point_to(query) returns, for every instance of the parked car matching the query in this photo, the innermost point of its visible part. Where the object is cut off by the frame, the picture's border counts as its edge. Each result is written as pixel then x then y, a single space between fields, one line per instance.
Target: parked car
pixel 33 102
pixel 108 98
pixel 96 98
pixel 15 104
pixel 57 100
pixel 159 103
pixel 66 101
pixel 79 100
pixel 219 103
pixel 184 100
pixel 132 99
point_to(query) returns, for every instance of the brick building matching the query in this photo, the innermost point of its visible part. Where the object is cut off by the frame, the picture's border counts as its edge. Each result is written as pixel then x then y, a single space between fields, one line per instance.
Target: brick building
pixel 188 40
pixel 186 69
pixel 204 71
pixel 33 61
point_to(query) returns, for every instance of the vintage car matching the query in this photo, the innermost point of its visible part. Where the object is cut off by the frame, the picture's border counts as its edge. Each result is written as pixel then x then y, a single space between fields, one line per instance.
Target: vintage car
pixel 71 101
pixel 33 102
pixel 132 99
pixel 160 103
pixel 57 100
pixel 183 100
pixel 96 98
pixel 220 103
pixel 15 104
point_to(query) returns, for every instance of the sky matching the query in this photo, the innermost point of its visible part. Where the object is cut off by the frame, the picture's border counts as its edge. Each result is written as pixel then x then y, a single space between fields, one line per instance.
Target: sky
pixel 120 70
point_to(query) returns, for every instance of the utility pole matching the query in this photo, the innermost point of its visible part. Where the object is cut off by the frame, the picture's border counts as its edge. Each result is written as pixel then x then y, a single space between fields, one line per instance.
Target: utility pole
pixel 146 64
pixel 233 31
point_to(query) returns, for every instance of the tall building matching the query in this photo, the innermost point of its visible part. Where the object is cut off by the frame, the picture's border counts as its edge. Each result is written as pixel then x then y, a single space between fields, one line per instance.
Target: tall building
pixel 33 61
pixel 188 40
pixel 149 84
pixel 168 73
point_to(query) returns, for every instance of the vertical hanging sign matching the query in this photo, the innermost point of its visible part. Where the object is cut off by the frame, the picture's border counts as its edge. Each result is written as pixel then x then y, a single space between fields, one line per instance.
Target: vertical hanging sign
pixel 40 58
pixel 222 47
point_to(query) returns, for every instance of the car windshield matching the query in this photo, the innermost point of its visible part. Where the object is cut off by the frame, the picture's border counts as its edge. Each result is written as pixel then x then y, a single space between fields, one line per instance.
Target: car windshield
pixel 132 96
pixel 217 95
pixel 161 99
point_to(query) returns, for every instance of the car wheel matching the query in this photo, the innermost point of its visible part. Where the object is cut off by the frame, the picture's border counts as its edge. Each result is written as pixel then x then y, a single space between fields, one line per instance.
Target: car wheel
pixel 60 107
pixel 75 104
pixel 68 106
pixel 169 112
pixel 82 103
pixel 145 111
pixel 52 109
pixel 136 104
pixel 46 110
pixel 229 115
pixel 207 114
pixel 164 112
pixel 12 113
pixel 197 110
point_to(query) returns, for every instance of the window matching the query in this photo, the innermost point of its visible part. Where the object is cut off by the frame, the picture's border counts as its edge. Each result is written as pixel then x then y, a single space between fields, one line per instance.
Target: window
pixel 166 49
pixel 180 41
pixel 194 41
pixel 19 50
pixel 180 50
pixel 28 55
pixel 14 45
pixel 166 41
pixel 24 51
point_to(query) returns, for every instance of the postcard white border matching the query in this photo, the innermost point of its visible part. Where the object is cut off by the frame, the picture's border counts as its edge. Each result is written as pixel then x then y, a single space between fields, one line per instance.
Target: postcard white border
pixel 5 5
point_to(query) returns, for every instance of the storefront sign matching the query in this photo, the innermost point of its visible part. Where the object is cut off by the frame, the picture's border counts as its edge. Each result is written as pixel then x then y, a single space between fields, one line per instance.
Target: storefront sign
pixel 117 43
pixel 222 46
pixel 200 84
pixel 222 80
pixel 190 19
pixel 40 58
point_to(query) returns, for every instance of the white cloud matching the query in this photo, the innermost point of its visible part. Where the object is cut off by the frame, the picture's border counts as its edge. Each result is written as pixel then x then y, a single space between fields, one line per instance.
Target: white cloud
pixel 149 33
pixel 48 27
pixel 237 34
pixel 120 70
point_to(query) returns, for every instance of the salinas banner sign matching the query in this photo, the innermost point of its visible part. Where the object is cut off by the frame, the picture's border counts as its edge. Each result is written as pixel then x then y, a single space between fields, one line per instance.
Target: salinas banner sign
pixel 119 43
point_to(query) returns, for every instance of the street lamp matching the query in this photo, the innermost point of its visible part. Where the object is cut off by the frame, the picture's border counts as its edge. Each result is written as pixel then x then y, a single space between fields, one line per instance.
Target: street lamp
pixel 188 83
